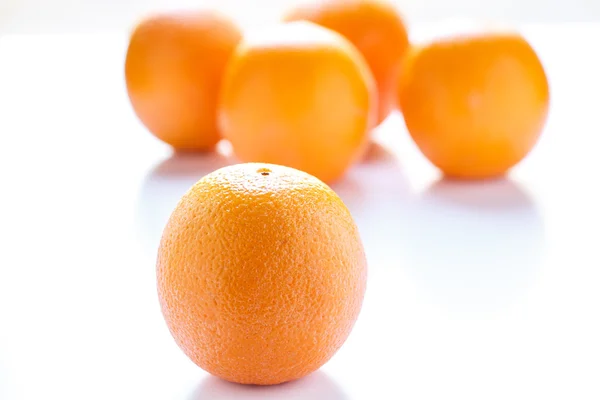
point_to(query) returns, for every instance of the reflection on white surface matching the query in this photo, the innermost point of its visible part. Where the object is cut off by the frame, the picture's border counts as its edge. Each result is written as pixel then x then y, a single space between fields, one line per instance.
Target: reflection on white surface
pixel 374 191
pixel 317 386
pixel 473 246
pixel 165 185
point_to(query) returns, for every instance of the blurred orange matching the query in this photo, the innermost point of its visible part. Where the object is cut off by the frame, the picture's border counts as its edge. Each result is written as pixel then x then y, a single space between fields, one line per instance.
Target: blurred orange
pixel 173 71
pixel 475 105
pixel 298 95
pixel 375 28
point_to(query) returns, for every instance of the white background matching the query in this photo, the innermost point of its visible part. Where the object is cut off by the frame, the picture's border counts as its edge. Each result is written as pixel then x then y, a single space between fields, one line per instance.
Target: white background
pixel 104 15
pixel 483 291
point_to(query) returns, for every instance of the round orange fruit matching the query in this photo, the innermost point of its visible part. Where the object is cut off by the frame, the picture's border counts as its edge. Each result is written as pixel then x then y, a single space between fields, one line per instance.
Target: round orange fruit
pixel 376 29
pixel 475 105
pixel 261 273
pixel 173 72
pixel 298 95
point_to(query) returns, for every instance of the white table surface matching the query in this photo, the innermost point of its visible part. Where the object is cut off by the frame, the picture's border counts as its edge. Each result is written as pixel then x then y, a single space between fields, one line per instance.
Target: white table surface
pixel 488 291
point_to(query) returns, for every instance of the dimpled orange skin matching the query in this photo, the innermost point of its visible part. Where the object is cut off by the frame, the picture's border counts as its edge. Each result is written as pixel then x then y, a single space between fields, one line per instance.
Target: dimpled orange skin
pixel 475 105
pixel 173 72
pixel 261 273
pixel 375 28
pixel 298 95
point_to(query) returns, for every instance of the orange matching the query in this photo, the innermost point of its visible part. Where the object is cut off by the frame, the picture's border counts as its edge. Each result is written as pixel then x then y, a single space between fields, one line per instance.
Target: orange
pixel 261 273
pixel 376 29
pixel 173 71
pixel 298 95
pixel 475 105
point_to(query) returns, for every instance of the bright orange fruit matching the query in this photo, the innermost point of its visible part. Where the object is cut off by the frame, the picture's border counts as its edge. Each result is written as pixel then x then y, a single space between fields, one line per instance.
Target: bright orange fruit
pixel 261 273
pixel 376 29
pixel 475 105
pixel 298 95
pixel 173 71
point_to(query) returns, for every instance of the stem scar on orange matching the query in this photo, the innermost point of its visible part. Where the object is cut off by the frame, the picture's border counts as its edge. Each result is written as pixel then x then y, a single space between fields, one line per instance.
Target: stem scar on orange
pixel 261 273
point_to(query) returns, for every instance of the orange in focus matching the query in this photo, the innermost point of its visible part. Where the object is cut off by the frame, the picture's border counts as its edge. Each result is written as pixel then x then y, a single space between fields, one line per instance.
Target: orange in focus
pixel 261 273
